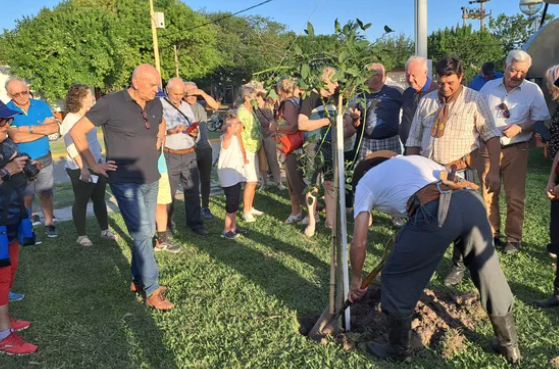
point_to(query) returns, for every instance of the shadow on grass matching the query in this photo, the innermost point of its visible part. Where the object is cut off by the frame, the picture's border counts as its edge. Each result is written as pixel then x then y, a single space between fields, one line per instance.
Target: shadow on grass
pixel 83 314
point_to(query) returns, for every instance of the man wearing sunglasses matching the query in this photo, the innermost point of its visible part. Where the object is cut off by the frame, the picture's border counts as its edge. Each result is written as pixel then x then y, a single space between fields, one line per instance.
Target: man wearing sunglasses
pixel 516 105
pixel 29 131
pixel 134 131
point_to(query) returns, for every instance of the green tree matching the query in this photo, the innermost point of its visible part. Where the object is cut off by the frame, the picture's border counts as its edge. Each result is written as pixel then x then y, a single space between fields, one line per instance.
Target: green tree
pixel 393 51
pixel 473 48
pixel 513 30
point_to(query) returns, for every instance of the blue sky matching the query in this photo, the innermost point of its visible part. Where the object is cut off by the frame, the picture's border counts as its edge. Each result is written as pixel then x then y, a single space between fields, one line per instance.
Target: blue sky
pixel 398 14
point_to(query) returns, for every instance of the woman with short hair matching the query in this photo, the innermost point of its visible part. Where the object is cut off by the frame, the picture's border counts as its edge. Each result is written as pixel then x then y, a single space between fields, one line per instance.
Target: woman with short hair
pixel 85 185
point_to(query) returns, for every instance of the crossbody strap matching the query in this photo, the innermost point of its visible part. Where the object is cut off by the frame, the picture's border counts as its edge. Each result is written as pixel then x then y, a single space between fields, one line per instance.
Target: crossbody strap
pixel 180 111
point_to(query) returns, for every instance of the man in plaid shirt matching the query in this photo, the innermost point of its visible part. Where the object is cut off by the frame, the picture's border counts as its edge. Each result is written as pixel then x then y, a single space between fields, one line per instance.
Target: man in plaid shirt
pixel 446 129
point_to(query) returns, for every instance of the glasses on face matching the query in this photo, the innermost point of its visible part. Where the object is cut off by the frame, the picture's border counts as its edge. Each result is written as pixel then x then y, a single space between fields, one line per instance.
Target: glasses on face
pixel 505 109
pixel 6 121
pixel 146 119
pixel 19 94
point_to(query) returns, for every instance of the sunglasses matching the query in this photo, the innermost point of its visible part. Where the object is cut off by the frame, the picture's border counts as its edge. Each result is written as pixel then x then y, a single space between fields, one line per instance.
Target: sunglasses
pixel 4 121
pixel 505 109
pixel 146 119
pixel 22 93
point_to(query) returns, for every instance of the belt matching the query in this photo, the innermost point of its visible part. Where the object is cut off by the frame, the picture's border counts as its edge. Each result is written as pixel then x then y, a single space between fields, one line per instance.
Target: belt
pixel 179 152
pixel 465 162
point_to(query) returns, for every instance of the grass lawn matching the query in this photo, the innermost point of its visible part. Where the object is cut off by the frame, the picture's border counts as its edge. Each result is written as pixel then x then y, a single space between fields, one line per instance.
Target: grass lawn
pixel 239 302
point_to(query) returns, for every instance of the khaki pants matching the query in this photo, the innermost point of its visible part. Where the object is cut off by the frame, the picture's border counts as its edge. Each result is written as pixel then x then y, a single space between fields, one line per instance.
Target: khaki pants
pixel 513 168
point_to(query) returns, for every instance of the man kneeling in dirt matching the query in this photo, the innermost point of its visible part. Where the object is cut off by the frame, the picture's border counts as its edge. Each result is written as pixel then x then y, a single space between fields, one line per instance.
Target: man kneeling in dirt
pixel 439 212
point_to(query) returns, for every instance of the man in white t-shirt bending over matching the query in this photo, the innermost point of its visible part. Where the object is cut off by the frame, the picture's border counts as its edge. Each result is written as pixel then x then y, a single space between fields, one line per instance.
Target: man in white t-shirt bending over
pixel 411 186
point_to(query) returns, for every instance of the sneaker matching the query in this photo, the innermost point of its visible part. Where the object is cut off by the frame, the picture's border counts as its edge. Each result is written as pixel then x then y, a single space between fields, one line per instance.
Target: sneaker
pixel 14 345
pixel 168 246
pixel 249 218
pixel 84 241
pixel 19 325
pixel 206 213
pixel 281 187
pixel 35 220
pixel 240 231
pixel 230 235
pixel 109 235
pixel 16 296
pixel 201 231
pixel 38 241
pixel 51 231
pixel 255 212
pixel 294 219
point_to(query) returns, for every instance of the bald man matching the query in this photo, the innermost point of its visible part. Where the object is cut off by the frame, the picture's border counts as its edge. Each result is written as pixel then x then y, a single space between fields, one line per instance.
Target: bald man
pixel 382 119
pixel 180 154
pixel 134 130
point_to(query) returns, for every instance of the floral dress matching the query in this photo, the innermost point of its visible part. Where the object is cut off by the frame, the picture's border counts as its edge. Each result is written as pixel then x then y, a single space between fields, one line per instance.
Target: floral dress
pixel 554 129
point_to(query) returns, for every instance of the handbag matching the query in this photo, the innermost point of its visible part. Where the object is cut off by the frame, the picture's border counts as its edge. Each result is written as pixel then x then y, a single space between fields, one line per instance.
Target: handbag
pixel 290 142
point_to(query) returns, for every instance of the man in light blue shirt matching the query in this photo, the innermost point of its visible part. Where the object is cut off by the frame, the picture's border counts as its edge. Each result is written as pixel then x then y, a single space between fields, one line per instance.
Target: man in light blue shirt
pixel 180 154
pixel 487 73
pixel 29 131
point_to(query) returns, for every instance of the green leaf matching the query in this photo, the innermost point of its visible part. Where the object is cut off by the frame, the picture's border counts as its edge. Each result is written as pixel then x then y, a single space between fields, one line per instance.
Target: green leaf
pixel 343 56
pixel 297 49
pixel 366 26
pixel 388 29
pixel 305 71
pixel 337 26
pixel 360 24
pixel 310 29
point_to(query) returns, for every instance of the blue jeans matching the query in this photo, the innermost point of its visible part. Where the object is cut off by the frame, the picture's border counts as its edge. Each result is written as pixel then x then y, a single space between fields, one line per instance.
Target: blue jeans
pixel 137 205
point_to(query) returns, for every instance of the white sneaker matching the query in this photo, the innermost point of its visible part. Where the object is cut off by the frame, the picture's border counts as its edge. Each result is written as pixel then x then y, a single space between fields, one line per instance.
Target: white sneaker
pixel 281 187
pixel 108 235
pixel 249 218
pixel 255 212
pixel 85 241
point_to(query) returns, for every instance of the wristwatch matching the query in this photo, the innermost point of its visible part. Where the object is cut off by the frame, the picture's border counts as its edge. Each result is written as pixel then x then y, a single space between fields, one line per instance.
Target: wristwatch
pixel 30 129
pixel 5 175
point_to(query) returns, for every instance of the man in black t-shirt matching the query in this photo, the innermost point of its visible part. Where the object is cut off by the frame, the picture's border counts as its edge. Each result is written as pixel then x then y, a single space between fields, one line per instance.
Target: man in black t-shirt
pixel 134 131
pixel 382 120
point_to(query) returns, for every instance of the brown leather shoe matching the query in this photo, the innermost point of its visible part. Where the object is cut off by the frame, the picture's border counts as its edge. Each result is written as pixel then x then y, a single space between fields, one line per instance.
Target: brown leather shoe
pixel 158 301
pixel 136 287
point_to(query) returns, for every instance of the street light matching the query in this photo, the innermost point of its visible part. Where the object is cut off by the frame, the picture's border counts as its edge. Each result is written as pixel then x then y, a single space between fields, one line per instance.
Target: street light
pixel 530 7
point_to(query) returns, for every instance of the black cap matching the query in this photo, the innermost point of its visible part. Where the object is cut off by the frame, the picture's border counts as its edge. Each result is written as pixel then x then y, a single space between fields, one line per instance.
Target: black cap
pixel 369 162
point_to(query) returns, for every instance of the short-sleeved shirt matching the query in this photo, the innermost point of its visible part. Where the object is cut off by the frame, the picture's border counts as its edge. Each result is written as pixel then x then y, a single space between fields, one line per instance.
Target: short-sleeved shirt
pixel 201 116
pixel 178 141
pixel 92 141
pixel 388 186
pixel 250 134
pixel 383 113
pixel 525 103
pixel 127 140
pixel 410 100
pixel 313 106
pixel 478 82
pixel 38 111
pixel 469 120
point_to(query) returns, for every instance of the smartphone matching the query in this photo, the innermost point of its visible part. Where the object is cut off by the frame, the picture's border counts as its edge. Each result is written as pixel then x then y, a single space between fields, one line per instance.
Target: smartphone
pixel 192 127
pixel 94 179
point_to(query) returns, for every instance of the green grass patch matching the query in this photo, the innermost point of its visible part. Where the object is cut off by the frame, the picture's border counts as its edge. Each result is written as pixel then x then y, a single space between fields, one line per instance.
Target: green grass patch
pixel 239 303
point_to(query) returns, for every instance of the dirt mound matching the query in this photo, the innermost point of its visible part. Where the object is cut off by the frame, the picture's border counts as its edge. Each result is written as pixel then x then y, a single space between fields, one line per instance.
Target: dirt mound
pixel 440 321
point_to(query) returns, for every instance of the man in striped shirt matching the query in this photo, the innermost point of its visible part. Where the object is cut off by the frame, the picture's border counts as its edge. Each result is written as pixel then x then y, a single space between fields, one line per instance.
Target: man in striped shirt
pixel 447 129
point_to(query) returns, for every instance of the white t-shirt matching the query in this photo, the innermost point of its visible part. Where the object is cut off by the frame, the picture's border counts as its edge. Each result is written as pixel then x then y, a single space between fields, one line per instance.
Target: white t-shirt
pixel 525 103
pixel 92 140
pixel 231 165
pixel 388 186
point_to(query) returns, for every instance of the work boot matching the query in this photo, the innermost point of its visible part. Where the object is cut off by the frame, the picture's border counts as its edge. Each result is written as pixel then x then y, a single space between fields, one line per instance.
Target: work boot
pixel 551 302
pixel 458 269
pixel 506 340
pixel 511 247
pixel 158 301
pixel 398 347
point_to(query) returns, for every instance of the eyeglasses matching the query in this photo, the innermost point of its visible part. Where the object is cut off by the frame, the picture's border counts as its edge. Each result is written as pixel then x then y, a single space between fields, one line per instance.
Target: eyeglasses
pixel 6 121
pixel 146 119
pixel 505 109
pixel 22 93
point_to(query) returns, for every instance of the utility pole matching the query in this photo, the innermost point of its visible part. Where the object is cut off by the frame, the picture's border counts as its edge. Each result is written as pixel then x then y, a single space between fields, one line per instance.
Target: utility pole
pixel 154 35
pixel 176 60
pixel 421 28
pixel 476 14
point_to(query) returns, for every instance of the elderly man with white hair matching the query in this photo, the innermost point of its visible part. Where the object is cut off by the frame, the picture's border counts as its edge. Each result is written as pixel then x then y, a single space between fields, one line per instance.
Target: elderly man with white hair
pixel 417 76
pixel 516 105
pixel 180 154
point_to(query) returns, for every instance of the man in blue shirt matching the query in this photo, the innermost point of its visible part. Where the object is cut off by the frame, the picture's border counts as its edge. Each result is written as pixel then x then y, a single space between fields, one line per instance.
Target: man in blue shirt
pixel 29 131
pixel 487 73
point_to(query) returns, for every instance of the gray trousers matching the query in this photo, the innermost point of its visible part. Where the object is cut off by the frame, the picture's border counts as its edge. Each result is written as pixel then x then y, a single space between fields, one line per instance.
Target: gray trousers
pixel 184 169
pixel 421 244
pixel 269 145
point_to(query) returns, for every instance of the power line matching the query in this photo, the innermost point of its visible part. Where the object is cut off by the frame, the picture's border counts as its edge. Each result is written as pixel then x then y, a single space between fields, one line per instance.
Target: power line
pixel 228 16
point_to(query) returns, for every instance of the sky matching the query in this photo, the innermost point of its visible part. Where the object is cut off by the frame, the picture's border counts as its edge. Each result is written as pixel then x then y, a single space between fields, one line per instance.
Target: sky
pixel 397 14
